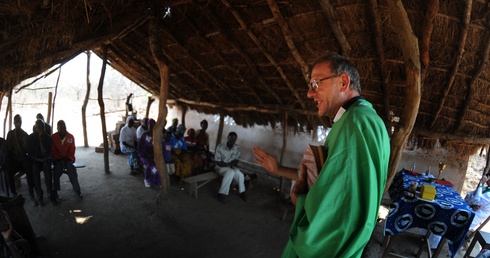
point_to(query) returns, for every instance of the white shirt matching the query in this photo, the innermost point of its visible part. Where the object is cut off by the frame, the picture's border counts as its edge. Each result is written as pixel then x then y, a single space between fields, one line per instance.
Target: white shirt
pixel 128 135
pixel 481 199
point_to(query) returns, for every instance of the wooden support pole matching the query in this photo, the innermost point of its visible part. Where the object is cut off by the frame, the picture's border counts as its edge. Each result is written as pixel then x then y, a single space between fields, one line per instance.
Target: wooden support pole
pixel 156 50
pixel 7 112
pixel 220 129
pixel 50 103
pixel 10 111
pixel 408 43
pixel 184 112
pixel 100 99
pixel 85 102
pixel 487 165
pixel 284 146
pixel 55 93
pixel 148 105
pixel 2 94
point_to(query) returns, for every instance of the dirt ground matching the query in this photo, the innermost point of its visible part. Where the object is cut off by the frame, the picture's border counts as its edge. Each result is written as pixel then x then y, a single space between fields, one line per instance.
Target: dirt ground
pixel 119 217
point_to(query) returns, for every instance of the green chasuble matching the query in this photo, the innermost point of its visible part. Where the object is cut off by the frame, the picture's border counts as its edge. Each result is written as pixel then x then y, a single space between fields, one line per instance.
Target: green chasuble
pixel 338 215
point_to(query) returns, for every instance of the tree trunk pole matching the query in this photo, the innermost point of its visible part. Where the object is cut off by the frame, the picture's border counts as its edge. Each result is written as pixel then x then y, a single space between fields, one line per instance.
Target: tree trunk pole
pixel 102 111
pixel 148 105
pixel 2 94
pixel 56 92
pixel 284 146
pixel 408 43
pixel 487 165
pixel 220 129
pixel 156 50
pixel 7 112
pixel 10 109
pixel 50 102
pixel 85 103
pixel 184 112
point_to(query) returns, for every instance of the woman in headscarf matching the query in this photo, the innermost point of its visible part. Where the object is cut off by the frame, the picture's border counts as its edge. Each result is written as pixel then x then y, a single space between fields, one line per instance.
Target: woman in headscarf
pixel 145 150
pixel 180 157
pixel 127 139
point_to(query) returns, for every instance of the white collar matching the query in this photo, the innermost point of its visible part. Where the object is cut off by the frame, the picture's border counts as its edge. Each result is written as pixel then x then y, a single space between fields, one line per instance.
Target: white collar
pixel 339 114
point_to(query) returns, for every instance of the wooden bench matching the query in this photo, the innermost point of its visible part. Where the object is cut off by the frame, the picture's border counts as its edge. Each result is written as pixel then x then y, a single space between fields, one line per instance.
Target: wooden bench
pixel 196 182
pixel 19 174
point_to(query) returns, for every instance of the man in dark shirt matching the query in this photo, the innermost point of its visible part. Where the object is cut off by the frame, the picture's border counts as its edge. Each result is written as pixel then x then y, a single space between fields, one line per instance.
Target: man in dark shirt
pixel 39 143
pixel 17 156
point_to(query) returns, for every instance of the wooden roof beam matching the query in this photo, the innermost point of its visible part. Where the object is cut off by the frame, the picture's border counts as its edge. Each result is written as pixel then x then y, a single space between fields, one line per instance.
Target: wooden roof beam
pixel 123 53
pixel 471 92
pixel 218 83
pixel 289 38
pixel 378 35
pixel 427 28
pixel 177 66
pixel 264 52
pixel 224 61
pixel 212 17
pixel 266 109
pixel 335 25
pixel 459 57
pixel 452 137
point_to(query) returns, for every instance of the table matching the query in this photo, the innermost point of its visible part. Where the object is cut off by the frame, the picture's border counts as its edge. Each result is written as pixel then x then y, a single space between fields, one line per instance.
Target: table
pixel 447 215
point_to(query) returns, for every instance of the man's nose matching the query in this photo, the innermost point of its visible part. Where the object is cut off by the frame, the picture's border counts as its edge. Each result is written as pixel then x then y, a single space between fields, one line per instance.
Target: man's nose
pixel 310 93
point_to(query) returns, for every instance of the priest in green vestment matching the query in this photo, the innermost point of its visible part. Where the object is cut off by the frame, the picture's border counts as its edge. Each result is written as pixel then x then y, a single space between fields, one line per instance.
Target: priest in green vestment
pixel 336 216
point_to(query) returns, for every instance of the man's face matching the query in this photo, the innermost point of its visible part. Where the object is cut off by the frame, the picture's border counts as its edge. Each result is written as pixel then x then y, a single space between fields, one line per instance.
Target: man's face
pixel 231 139
pixel 204 125
pixel 18 123
pixel 327 96
pixel 39 126
pixel 130 122
pixel 62 128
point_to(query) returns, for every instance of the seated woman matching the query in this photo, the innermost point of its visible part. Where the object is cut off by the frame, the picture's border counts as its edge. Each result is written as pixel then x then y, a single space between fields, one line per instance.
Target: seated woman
pixel 146 153
pixel 203 156
pixel 196 160
pixel 191 139
pixel 180 157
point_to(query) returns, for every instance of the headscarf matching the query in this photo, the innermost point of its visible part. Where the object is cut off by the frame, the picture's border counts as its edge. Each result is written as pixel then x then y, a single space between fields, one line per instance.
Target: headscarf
pixel 129 118
pixel 151 121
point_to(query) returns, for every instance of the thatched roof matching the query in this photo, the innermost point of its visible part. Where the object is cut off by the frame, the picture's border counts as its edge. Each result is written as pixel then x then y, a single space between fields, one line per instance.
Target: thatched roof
pixel 249 59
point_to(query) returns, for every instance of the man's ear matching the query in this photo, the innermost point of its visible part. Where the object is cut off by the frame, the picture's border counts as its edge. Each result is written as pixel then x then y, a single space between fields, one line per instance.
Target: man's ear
pixel 345 81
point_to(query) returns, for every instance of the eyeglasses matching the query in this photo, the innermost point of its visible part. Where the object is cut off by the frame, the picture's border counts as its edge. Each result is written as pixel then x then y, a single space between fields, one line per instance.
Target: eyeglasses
pixel 314 84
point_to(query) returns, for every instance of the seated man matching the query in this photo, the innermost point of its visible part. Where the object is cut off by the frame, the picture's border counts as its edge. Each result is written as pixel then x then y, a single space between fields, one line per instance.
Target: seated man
pixel 47 127
pixel 63 152
pixel 16 159
pixel 479 201
pixel 226 156
pixel 127 139
pixel 39 143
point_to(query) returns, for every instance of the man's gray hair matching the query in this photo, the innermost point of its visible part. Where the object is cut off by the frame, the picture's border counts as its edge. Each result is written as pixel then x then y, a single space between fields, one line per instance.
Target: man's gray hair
pixel 338 65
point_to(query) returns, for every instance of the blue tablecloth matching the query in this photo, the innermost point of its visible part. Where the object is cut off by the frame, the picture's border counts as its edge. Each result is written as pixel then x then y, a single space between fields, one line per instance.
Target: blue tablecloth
pixel 447 215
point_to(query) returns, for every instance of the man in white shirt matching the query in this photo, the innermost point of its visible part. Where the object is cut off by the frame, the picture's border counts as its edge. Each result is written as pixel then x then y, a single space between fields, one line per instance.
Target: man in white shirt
pixel 226 157
pixel 128 144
